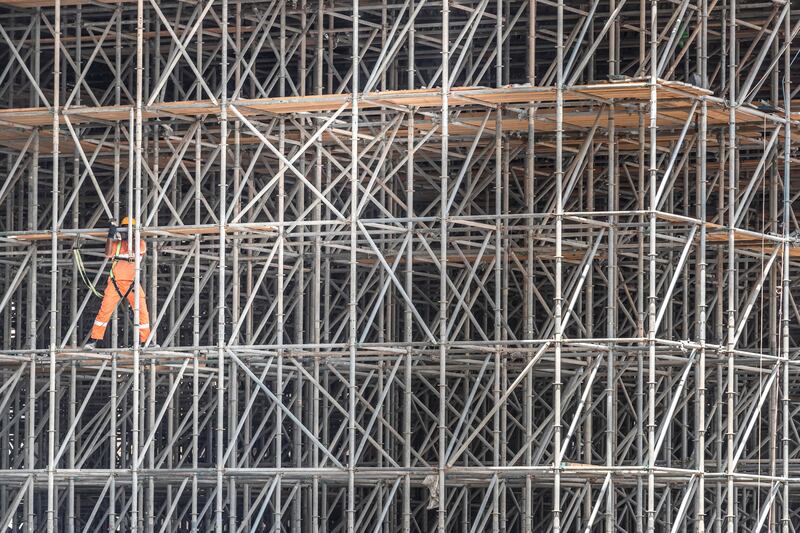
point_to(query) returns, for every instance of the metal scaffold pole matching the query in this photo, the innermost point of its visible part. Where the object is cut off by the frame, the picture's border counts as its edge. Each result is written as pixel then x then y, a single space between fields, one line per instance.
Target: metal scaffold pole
pixel 426 265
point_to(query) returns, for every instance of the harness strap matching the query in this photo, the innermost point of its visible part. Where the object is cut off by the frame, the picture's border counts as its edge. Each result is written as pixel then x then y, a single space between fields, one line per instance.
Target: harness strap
pixel 116 258
pixel 116 288
pixel 113 279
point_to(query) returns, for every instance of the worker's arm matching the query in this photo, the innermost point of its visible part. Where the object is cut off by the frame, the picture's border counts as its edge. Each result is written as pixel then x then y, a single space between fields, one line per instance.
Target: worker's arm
pixel 111 241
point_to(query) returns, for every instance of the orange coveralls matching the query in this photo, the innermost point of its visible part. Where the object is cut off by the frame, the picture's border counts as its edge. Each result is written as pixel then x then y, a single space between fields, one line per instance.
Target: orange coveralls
pixel 123 272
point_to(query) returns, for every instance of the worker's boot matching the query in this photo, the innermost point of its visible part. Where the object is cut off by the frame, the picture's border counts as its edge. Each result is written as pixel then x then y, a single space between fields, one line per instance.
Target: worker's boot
pixel 91 345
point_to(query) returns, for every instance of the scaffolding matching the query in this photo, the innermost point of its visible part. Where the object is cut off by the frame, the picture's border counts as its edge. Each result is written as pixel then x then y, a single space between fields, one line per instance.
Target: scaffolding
pixel 424 265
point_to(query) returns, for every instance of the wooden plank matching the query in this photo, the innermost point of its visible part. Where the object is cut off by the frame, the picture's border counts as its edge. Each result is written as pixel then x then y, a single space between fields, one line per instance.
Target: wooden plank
pixel 459 261
pixel 424 98
pixel 51 3
pixel 752 241
pixel 155 231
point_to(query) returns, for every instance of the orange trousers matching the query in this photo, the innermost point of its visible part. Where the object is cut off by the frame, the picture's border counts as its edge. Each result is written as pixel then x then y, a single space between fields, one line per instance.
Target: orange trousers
pixel 110 299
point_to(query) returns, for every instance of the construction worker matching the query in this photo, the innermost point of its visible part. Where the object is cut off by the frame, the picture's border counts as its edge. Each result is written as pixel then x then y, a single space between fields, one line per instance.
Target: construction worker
pixel 120 285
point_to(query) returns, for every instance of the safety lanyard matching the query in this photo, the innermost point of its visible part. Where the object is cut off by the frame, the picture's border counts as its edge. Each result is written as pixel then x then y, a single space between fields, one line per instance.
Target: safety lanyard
pixel 82 271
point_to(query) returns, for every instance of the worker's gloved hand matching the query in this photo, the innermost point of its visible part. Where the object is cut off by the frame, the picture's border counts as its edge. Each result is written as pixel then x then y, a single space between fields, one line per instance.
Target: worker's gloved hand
pixel 113 234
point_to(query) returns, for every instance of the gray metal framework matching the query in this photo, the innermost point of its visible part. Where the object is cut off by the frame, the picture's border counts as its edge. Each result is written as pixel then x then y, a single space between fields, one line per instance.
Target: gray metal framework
pixel 424 265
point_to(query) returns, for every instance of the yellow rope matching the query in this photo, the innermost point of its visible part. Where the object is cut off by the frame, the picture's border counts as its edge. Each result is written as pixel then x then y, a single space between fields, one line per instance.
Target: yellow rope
pixel 82 271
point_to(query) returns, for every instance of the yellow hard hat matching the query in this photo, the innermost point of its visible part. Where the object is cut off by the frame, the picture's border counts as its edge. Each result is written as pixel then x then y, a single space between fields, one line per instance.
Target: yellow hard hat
pixel 127 220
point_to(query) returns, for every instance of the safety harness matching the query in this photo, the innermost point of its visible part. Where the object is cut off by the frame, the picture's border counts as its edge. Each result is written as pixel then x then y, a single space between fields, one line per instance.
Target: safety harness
pixel 111 275
pixel 81 268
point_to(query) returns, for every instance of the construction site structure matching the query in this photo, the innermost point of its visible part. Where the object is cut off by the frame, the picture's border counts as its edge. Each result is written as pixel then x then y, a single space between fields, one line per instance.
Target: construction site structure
pixel 419 265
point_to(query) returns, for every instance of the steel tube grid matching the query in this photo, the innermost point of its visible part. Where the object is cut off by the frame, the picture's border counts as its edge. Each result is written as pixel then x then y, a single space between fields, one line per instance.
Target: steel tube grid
pixel 522 265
